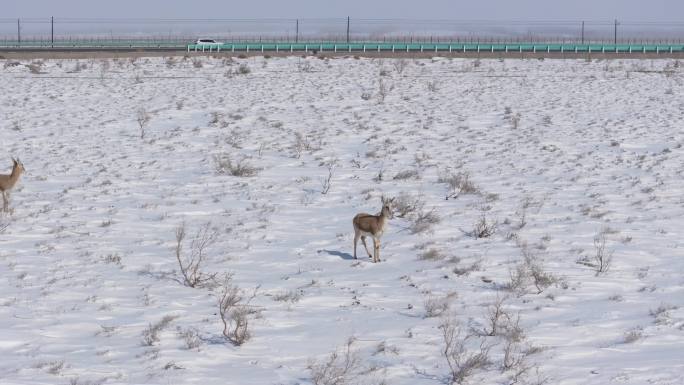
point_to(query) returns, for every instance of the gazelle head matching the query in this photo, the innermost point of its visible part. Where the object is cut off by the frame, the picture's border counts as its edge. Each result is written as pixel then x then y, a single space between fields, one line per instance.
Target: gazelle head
pixel 387 207
pixel 17 166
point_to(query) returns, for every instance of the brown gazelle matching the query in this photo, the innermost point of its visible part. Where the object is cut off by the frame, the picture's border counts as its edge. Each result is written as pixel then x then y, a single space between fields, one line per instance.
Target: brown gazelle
pixel 373 226
pixel 7 182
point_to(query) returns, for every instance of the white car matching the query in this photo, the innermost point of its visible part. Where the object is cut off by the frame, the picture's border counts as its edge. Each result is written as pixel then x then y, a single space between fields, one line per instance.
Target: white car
pixel 208 42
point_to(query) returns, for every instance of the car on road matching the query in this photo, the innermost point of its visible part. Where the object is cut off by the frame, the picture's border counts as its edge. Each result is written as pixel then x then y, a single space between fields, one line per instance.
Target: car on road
pixel 208 42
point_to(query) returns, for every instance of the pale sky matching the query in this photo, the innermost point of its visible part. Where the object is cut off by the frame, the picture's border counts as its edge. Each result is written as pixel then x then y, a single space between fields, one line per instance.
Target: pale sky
pixel 641 10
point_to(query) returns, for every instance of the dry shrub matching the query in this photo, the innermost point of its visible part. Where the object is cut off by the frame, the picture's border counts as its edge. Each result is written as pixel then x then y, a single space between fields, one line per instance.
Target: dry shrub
pixel 483 228
pixel 151 334
pixel 383 91
pixel 142 117
pixel 530 271
pixel 235 312
pixel 342 367
pixel 435 306
pixel 191 337
pixel 633 335
pixel 225 166
pixel 431 255
pixel 423 221
pixel 191 264
pixel 243 69
pixel 465 270
pixel 291 296
pixel 462 360
pixel 407 205
pixel 407 174
pixel 602 259
pixel 326 182
pixel 400 65
pixel 459 183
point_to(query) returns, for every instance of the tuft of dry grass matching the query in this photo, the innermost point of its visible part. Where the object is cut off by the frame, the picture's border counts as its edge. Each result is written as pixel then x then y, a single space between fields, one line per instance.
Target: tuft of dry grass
pixel 225 166
pixel 151 334
pixel 459 184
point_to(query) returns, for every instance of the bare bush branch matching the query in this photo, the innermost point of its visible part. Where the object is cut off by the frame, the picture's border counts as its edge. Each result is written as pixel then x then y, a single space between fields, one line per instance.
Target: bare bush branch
pixel 530 271
pixel 191 337
pixel 191 265
pixel 302 143
pixel 515 360
pixel 342 367
pixel 326 182
pixel 483 228
pixel 235 312
pixel 400 65
pixel 142 117
pixel 462 361
pixel 602 257
pixel 496 317
pixel 383 90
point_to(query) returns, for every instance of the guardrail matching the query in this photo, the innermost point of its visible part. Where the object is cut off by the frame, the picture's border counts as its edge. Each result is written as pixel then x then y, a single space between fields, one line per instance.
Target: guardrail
pixel 436 47
pixel 465 47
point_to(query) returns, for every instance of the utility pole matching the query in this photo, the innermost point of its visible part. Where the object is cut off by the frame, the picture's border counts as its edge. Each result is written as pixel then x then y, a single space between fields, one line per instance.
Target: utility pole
pixel 52 31
pixel 18 32
pixel 347 29
pixel 297 32
pixel 616 24
pixel 583 32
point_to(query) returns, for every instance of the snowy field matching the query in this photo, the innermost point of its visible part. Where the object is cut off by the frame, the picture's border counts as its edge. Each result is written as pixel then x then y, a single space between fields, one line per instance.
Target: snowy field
pixel 264 162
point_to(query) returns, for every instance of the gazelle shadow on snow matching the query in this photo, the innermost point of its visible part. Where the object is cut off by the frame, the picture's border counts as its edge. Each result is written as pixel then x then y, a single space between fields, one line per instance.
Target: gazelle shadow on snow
pixel 337 254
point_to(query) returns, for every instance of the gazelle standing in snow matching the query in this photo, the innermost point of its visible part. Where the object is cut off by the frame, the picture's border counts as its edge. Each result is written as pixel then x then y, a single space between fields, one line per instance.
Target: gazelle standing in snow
pixel 7 182
pixel 373 226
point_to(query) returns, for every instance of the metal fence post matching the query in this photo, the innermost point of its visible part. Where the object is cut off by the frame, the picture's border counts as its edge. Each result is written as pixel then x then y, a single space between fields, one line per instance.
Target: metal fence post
pixel 348 20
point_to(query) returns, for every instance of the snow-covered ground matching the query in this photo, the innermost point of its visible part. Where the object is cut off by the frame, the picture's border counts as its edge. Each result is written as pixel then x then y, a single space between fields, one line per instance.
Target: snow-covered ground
pixel 557 154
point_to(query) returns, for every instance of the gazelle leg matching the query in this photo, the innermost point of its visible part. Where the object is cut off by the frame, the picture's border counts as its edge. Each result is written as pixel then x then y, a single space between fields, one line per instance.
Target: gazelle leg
pixel 375 249
pixel 356 240
pixel 4 201
pixel 363 239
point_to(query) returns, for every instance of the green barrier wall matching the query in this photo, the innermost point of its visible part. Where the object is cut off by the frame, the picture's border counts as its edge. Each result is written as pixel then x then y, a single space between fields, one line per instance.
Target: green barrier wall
pixel 344 47
pixel 438 47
